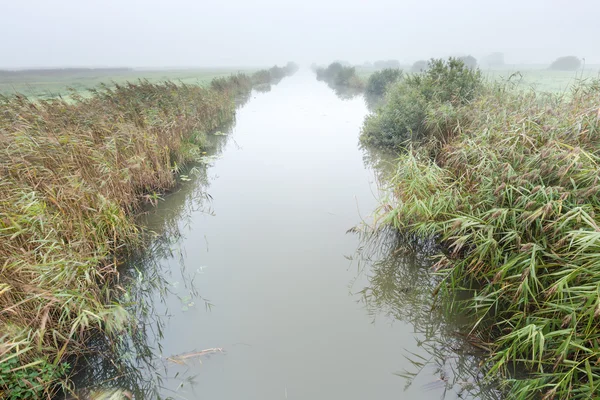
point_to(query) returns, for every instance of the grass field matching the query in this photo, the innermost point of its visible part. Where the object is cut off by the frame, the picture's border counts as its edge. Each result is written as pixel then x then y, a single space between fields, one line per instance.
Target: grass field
pixel 538 77
pixel 542 79
pixel 51 83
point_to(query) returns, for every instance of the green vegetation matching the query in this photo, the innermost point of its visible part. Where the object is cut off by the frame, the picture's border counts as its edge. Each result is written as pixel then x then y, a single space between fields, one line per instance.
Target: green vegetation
pixel 421 103
pixel 541 79
pixel 379 81
pixel 338 75
pixel 50 83
pixel 508 181
pixel 568 63
pixel 72 176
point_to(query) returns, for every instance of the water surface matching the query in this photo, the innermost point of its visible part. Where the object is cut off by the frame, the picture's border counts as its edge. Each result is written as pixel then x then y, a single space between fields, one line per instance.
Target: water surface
pixel 264 269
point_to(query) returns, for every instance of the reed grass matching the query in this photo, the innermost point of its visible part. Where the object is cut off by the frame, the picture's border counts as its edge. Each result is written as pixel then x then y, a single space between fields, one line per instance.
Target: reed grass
pixel 72 176
pixel 510 186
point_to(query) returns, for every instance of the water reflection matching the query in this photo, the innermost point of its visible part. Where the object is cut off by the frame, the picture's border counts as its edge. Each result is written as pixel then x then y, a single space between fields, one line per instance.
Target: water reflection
pixel 400 287
pixel 345 92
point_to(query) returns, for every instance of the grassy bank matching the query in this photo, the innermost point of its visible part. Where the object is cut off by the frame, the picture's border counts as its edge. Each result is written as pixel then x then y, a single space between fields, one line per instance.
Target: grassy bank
pixel 50 83
pixel 72 175
pixel 508 180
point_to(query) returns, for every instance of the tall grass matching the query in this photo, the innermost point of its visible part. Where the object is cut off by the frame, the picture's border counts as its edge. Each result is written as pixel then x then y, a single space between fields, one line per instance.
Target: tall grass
pixel 512 193
pixel 72 175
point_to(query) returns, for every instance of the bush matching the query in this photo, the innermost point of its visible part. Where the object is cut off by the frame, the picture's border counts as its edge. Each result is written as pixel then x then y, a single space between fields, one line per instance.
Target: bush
pixel 400 120
pixel 422 104
pixel 341 76
pixel 568 63
pixel 380 80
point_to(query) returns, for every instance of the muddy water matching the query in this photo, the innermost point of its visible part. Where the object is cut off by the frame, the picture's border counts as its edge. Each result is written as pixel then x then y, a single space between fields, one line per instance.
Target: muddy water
pixel 262 276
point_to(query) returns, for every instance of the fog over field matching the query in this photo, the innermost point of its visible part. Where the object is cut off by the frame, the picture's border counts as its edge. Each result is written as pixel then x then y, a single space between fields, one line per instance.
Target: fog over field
pixel 186 33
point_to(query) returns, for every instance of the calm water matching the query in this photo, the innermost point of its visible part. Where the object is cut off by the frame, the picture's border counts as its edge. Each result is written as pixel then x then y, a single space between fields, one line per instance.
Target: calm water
pixel 265 270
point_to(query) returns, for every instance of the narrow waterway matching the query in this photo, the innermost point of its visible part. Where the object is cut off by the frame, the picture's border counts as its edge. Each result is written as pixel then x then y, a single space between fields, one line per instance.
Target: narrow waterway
pixel 263 271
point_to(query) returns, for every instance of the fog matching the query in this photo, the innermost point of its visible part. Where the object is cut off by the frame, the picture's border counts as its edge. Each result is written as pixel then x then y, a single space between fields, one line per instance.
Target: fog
pixel 189 33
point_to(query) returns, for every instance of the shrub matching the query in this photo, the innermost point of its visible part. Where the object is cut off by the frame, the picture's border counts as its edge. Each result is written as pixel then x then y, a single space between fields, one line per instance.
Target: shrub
pixel 399 120
pixel 337 75
pixel 380 80
pixel 568 63
pixel 448 81
pixel 422 104
pixel 329 73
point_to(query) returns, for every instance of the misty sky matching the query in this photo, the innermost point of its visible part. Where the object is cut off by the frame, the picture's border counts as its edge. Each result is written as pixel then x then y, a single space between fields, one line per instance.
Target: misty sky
pixel 186 33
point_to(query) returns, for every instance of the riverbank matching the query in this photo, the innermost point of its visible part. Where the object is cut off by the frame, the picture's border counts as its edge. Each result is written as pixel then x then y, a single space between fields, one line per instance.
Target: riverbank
pixel 51 83
pixel 73 175
pixel 507 180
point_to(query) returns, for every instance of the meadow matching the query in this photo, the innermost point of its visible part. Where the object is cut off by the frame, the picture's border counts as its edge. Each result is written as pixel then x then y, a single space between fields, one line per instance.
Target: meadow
pixel 50 83
pixel 536 77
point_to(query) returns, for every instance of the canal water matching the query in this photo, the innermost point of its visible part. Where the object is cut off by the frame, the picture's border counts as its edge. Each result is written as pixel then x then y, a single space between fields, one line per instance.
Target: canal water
pixel 253 287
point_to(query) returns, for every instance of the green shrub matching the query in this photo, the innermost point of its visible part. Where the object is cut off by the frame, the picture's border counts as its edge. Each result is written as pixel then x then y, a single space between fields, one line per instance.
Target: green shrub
pixel 422 105
pixel 337 75
pixel 380 80
pixel 400 120
pixel 448 81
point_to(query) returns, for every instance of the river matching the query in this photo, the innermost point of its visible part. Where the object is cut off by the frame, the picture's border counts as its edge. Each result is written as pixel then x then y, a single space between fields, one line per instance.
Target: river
pixel 252 262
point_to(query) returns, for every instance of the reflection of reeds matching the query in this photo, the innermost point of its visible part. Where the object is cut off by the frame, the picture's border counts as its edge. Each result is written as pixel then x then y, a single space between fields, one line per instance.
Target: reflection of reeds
pixel 72 176
pixel 513 195
pixel 400 287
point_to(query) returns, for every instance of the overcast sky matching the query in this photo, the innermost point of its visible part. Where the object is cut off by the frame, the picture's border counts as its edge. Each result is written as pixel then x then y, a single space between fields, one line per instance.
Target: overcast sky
pixel 185 33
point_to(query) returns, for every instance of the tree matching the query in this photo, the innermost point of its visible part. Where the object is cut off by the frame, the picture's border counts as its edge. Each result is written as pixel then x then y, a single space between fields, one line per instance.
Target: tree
pixel 379 81
pixel 567 63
